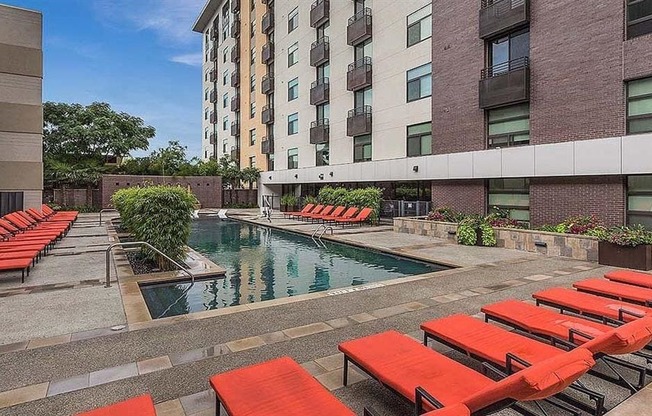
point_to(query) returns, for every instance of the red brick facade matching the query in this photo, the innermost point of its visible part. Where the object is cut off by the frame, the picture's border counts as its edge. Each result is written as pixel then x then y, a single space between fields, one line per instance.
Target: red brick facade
pixel 467 196
pixel 637 53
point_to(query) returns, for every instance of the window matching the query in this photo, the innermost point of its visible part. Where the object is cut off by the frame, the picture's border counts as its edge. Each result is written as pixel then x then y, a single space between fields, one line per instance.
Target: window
pixel 293 89
pixel 293 124
pixel 225 145
pixel 10 202
pixel 362 97
pixel 293 158
pixel 512 195
pixel 639 200
pixel 252 109
pixel 419 82
pixel 225 53
pixel 362 148
pixel 419 139
pixel 419 25
pixel 206 75
pixel 639 106
pixel 252 137
pixel 322 155
pixel 509 126
pixel 293 19
pixel 206 113
pixel 205 154
pixel 225 77
pixel 206 133
pixel 363 49
pixel 323 111
pixel 252 82
pixel 507 52
pixel 293 54
pixel 225 100
pixel 206 94
pixel 225 122
pixel 639 17
pixel 252 161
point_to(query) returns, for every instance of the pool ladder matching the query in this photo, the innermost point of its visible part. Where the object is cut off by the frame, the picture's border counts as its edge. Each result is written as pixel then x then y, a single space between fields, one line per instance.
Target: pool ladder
pixel 323 228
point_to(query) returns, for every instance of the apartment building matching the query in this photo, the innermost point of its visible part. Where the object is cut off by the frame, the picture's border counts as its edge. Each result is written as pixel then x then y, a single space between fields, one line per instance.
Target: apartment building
pixel 21 109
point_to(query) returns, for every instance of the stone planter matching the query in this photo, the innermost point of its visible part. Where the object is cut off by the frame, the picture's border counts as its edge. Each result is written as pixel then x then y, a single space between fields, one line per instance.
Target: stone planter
pixel 639 257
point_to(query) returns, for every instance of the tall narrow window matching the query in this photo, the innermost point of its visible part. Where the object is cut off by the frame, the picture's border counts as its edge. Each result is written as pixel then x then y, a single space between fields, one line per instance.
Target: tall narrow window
pixel 225 122
pixel 639 17
pixel 322 155
pixel 419 25
pixel 293 54
pixel 252 109
pixel 509 52
pixel 252 161
pixel 206 94
pixel 639 106
pixel 509 126
pixel 419 82
pixel 293 89
pixel 293 158
pixel 205 113
pixel 639 200
pixel 362 148
pixel 225 54
pixel 419 139
pixel 293 124
pixel 293 19
pixel 252 137
pixel 512 195
pixel 225 146
pixel 225 100
pixel 225 77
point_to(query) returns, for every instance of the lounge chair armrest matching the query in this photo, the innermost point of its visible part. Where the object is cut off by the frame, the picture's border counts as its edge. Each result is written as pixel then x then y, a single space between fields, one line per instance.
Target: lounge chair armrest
pixel 420 394
pixel 572 332
pixel 568 345
pixel 494 369
pixel 369 412
pixel 510 358
pixel 622 312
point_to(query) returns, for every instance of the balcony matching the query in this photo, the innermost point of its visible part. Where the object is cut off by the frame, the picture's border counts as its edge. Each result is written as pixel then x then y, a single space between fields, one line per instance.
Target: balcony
pixel 359 74
pixel 320 12
pixel 358 121
pixel 506 83
pixel 213 54
pixel 319 51
pixel 235 154
pixel 320 91
pixel 267 146
pixel 215 34
pixel 359 28
pixel 213 117
pixel 213 138
pixel 267 84
pixel 501 16
pixel 235 79
pixel 213 75
pixel 235 6
pixel 235 103
pixel 235 53
pixel 213 96
pixel 267 115
pixel 235 129
pixel 235 28
pixel 267 53
pixel 267 23
pixel 319 131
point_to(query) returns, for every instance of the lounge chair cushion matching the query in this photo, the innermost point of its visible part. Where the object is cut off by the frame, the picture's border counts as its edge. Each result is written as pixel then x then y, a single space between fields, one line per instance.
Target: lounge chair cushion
pixel 625 339
pixel 15 264
pixel 615 289
pixel 630 277
pixel 404 364
pixel 277 387
pixel 138 406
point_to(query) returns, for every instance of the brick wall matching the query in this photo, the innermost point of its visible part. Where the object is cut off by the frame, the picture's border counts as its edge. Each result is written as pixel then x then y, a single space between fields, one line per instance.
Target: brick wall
pixel 637 54
pixel 467 196
pixel 552 200
pixel 207 189
pixel 458 58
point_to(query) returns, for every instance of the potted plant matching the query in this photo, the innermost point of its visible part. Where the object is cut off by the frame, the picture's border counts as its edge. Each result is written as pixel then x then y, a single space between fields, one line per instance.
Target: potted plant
pixel 289 203
pixel 475 230
pixel 629 247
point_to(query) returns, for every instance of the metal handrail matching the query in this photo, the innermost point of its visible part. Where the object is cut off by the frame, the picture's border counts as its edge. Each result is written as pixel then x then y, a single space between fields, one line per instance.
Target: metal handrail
pixel 140 243
pixel 505 67
pixel 364 62
pixel 326 228
pixel 106 210
pixel 362 14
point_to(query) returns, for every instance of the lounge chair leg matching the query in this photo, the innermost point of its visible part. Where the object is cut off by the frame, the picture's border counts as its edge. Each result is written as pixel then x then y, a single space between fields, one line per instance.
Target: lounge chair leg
pixel 425 338
pixel 217 406
pixel 345 374
pixel 22 279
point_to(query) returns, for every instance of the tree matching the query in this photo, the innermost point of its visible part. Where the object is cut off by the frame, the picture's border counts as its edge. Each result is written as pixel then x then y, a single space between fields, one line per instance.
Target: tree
pixel 168 160
pixel 250 175
pixel 74 132
pixel 228 170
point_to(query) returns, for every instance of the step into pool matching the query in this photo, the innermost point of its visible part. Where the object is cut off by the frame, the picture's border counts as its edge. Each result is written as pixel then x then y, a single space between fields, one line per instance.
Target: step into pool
pixel 263 263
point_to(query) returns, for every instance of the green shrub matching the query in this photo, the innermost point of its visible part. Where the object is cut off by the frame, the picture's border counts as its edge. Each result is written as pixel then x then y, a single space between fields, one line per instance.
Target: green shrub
pixel 160 215
pixel 340 197
pixel 289 200
pixel 631 236
pixel 366 198
pixel 446 214
pixel 325 195
pixel 310 200
pixel 467 231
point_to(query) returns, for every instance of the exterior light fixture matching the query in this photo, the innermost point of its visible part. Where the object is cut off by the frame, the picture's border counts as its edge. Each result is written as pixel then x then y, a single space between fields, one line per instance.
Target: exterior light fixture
pixel 296 176
pixel 321 176
pixel 331 174
pixel 415 168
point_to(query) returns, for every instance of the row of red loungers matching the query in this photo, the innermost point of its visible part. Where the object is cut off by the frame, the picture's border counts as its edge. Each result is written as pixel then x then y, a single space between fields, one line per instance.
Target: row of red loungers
pixel 25 236
pixel 558 350
pixel 331 214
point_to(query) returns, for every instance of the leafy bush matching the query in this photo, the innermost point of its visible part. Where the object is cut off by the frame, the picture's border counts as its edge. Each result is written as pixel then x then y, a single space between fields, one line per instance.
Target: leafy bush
pixel 326 195
pixel 309 200
pixel 581 224
pixel 363 197
pixel 160 215
pixel 469 227
pixel 631 236
pixel 446 214
pixel 289 200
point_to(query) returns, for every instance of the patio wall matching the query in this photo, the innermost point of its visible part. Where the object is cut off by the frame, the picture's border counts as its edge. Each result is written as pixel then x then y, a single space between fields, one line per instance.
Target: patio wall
pixel 551 244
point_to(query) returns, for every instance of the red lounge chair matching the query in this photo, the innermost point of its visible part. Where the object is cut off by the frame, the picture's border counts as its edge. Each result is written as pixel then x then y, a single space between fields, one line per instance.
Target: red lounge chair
pixel 607 310
pixel 31 222
pixel 25 254
pixel 16 264
pixel 59 214
pixel 138 406
pixel 349 213
pixel 631 278
pixel 317 210
pixel 40 217
pixel 363 216
pixel 21 223
pixel 419 373
pixel 276 387
pixel 328 209
pixel 305 210
pixel 337 212
pixel 621 291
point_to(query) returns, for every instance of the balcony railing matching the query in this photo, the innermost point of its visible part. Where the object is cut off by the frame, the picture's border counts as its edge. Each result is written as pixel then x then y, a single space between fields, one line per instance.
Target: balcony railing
pixel 235 154
pixel 267 23
pixel 235 79
pixel 267 115
pixel 501 16
pixel 235 28
pixel 235 53
pixel 359 74
pixel 267 146
pixel 505 83
pixel 320 12
pixel 319 51
pixel 235 6
pixel 320 91
pixel 267 53
pixel 235 103
pixel 359 27
pixel 358 121
pixel 267 84
pixel 319 131
pixel 235 129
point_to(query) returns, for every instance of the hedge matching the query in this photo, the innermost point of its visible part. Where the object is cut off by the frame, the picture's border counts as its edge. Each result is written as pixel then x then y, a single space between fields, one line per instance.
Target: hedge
pixel 160 215
pixel 363 197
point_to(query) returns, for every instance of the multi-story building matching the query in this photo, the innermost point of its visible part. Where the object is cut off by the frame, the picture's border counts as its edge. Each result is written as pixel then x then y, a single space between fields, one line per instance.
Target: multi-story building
pixel 540 107
pixel 21 109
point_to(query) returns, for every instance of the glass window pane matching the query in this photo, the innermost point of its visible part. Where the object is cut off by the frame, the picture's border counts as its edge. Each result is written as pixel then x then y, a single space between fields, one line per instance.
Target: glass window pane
pixel 640 126
pixel 520 215
pixel 426 86
pixel 519 46
pixel 640 203
pixel 419 128
pixel 509 127
pixel 509 112
pixel 367 152
pixel 639 87
pixel 413 146
pixel 639 183
pixel 515 200
pixel 413 90
pixel 639 10
pixel 426 28
pixel 419 14
pixel 644 220
pixel 426 145
pixel 521 139
pixel 640 106
pixel 499 51
pixel 419 71
pixel 413 34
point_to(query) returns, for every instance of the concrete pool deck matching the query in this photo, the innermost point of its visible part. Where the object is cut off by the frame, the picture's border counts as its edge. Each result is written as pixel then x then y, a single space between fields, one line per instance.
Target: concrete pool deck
pixel 174 360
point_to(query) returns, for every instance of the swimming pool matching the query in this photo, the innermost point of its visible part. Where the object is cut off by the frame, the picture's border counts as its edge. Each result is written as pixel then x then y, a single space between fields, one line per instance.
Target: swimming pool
pixel 264 263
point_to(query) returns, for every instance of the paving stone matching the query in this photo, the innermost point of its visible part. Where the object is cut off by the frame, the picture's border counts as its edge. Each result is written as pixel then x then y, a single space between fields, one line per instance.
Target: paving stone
pixel 245 344
pixel 170 408
pixel 197 402
pixel 93 333
pixel 451 297
pixel 583 268
pixel 333 379
pixel 468 293
pixel 23 395
pixel 313 368
pixel 193 355
pixel 414 306
pixel 154 364
pixel 16 346
pixel 389 311
pixel 274 337
pixel 331 362
pixel 305 330
pixel 537 277
pixel 68 384
pixel 482 290
pixel 561 272
pixel 47 342
pixel 108 375
pixel 338 323
pixel 362 317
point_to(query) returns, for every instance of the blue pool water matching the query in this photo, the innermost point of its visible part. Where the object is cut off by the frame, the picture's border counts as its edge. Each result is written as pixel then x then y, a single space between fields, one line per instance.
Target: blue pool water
pixel 263 263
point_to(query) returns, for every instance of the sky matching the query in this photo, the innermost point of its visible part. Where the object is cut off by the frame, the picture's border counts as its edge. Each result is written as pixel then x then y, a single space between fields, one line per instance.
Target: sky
pixel 140 56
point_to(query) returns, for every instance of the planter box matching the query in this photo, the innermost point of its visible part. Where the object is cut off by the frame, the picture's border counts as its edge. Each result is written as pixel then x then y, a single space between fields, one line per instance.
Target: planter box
pixel 639 257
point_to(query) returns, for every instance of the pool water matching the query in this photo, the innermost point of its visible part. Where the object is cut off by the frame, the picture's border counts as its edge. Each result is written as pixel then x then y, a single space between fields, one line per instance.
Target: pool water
pixel 263 263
